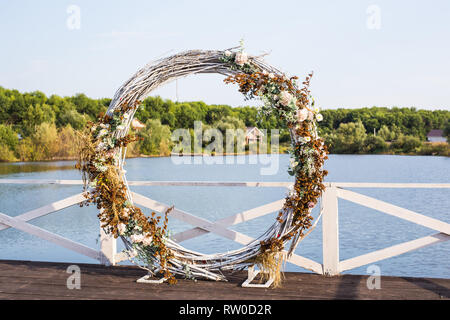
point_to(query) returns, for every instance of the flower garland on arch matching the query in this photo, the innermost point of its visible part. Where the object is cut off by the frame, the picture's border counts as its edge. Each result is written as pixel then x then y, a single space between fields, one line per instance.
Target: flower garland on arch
pixel 102 149
pixel 281 96
pixel 98 161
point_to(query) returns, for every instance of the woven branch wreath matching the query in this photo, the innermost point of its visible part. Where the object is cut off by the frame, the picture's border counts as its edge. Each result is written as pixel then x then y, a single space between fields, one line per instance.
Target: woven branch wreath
pixel 103 148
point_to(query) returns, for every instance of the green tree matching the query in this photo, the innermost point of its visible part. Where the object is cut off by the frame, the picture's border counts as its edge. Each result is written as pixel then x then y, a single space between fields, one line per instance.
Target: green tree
pixel 447 131
pixel 85 105
pixel 6 154
pixel 349 138
pixel 156 138
pixel 35 116
pixel 8 137
pixel 8 143
pixel 406 144
pixel 385 133
pixel 229 122
pixel 186 115
pixel 66 147
pixel 375 144
pixel 72 118
pixel 45 142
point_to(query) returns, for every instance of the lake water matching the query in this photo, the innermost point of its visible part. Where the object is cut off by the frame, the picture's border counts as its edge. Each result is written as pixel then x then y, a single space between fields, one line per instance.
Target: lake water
pixel 362 230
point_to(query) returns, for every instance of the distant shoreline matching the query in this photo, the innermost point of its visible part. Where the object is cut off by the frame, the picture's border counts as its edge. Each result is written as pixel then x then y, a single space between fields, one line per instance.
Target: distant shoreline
pixel 231 154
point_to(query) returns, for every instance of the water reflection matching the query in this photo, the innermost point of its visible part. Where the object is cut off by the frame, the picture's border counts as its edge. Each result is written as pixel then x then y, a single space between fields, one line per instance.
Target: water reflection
pixel 25 167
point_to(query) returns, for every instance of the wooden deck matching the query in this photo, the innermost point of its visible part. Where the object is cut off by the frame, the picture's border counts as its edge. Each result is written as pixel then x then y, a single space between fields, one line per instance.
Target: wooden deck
pixel 47 280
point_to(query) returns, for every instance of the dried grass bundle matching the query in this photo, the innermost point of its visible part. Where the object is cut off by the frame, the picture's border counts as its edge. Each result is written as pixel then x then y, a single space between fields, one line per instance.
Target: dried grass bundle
pixel 85 149
pixel 270 263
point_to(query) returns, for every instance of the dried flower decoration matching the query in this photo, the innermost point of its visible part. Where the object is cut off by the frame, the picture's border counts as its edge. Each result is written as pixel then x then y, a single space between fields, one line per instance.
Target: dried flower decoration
pixel 101 148
pixel 241 58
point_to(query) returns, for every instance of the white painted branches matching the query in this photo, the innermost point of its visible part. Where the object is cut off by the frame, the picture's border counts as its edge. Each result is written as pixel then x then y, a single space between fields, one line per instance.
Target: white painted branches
pixel 136 89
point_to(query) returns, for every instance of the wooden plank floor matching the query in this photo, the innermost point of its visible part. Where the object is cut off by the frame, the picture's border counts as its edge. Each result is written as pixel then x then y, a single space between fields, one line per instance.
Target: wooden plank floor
pixel 47 280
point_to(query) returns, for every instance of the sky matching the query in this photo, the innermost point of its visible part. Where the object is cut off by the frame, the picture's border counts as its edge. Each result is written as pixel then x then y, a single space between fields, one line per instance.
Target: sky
pixel 363 53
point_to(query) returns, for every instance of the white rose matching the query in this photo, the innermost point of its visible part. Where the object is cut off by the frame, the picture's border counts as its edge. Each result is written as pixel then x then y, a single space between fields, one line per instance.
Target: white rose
pixel 137 238
pixel 147 241
pixel 228 53
pixel 307 139
pixel 122 228
pixel 285 98
pixel 291 191
pixel 241 58
pixel 319 117
pixel 102 133
pixel 121 127
pixel 302 114
pixel 126 115
pixel 316 109
pixel 271 75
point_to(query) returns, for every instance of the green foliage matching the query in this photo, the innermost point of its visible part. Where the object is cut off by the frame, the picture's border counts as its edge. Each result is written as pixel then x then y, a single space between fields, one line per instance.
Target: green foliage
pixel 6 154
pixel 408 121
pixel 8 137
pixel 434 149
pixel 389 133
pixel 70 116
pixel 156 138
pixel 26 150
pixel 44 142
pixel 32 115
pixel 66 148
pixel 348 138
pixel 36 115
pixel 375 144
pixel 88 106
pixel 407 144
pixel 8 142
pixel 229 122
pixel 447 131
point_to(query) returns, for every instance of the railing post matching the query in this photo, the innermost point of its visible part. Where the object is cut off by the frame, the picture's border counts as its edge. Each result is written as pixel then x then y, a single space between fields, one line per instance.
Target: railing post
pixel 330 231
pixel 108 249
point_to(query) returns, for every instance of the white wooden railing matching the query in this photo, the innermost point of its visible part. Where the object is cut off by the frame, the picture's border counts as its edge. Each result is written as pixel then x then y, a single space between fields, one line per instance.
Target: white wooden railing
pixel 331 264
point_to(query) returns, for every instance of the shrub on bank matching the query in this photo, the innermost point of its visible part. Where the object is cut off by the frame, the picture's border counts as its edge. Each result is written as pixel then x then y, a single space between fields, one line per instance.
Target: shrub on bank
pixel 375 144
pixel 406 144
pixel 6 154
pixel 435 149
pixel 8 143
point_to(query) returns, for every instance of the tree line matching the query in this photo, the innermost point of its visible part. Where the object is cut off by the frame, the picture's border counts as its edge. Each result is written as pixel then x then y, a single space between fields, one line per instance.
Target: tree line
pixel 35 127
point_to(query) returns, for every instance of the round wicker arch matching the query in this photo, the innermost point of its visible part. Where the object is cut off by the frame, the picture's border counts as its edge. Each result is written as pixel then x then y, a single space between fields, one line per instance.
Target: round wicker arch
pixel 137 88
